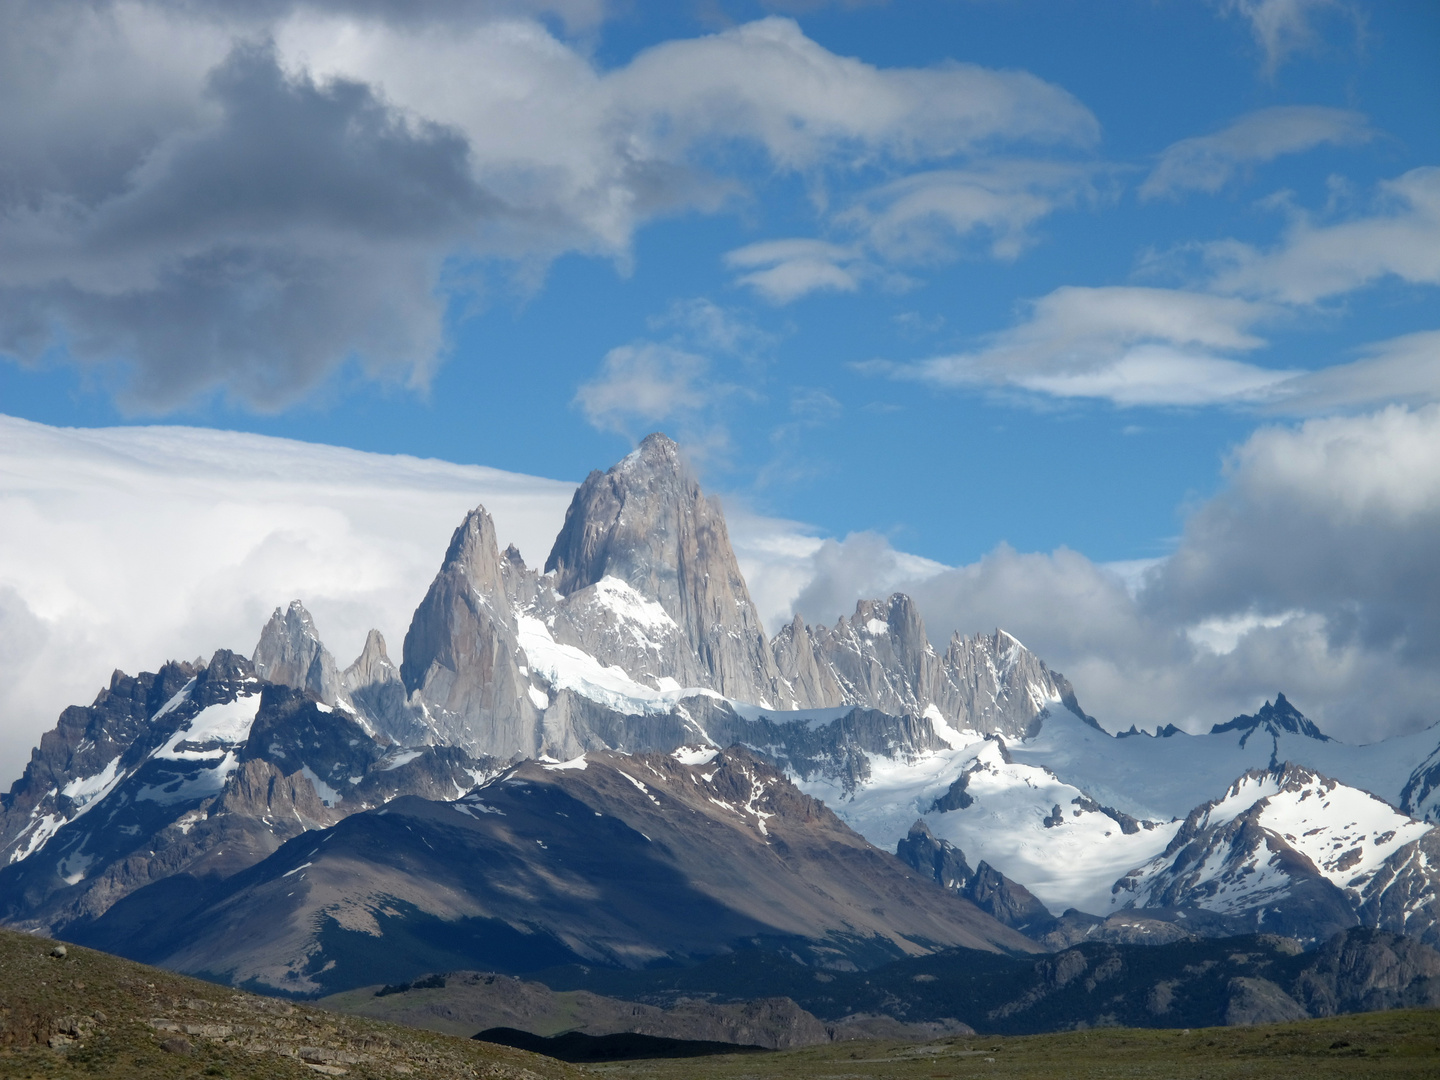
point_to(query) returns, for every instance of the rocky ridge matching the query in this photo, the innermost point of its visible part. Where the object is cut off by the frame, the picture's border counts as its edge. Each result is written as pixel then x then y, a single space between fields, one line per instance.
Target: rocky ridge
pixel 614 860
pixel 642 611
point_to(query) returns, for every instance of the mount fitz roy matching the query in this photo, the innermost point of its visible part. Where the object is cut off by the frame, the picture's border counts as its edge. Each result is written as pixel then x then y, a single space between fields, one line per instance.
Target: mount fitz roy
pixel 280 822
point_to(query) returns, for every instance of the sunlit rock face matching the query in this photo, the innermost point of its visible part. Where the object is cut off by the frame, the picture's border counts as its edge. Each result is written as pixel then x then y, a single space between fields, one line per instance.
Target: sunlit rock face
pixel 647 524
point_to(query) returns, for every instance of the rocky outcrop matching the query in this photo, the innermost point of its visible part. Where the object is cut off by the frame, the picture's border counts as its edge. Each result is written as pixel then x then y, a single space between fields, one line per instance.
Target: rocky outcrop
pixel 1420 797
pixel 260 789
pixel 1364 970
pixel 939 859
pixel 881 657
pixel 1273 720
pixel 300 735
pixel 289 652
pixel 461 653
pixel 992 892
pixel 88 745
pixel 1296 853
pixel 807 678
pixel 1260 1001
pixel 375 688
pixel 647 524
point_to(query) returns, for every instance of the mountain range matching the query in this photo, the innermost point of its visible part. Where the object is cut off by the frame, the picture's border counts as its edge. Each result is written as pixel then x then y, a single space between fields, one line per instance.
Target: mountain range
pixel 609 762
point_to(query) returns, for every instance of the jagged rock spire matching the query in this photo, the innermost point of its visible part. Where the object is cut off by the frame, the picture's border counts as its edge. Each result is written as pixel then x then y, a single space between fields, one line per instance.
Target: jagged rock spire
pixel 1274 719
pixel 647 523
pixel 290 652
pixel 461 652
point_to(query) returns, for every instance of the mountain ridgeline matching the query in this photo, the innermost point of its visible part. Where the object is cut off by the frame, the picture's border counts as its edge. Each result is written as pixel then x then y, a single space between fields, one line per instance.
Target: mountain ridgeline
pixel 609 762
pixel 642 579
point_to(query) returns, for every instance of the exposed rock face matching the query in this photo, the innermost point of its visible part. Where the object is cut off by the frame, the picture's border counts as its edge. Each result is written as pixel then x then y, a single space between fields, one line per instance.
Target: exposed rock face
pixel 1420 797
pixel 991 891
pixel 223 770
pixel 940 859
pixel 1005 900
pixel 625 861
pixel 461 653
pixel 85 742
pixel 992 683
pixel 374 686
pixel 289 652
pixel 809 680
pixel 1260 1001
pixel 328 746
pixel 504 661
pixel 646 523
pixel 1272 720
pixel 881 657
pixel 1403 896
pixel 259 789
pixel 1368 969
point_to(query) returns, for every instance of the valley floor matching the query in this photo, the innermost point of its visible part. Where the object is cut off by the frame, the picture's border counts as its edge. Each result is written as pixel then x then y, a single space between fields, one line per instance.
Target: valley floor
pixel 1394 1044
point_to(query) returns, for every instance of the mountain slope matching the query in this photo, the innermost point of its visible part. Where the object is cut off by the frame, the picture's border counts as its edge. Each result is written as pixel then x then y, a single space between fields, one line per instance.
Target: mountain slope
pixel 611 859
pixel 1293 851
pixel 196 785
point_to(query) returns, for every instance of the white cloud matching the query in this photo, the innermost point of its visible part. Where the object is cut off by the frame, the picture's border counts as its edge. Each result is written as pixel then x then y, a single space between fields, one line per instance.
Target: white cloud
pixel 1311 573
pixel 1404 370
pixel 785 270
pixel 1208 162
pixel 1282 27
pixel 766 81
pixel 672 382
pixel 649 382
pixel 864 564
pixel 926 217
pixel 1125 344
pixel 1400 239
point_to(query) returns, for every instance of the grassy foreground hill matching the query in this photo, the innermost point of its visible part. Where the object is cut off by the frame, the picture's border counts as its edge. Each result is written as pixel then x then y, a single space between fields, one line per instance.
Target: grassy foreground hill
pixel 92 1015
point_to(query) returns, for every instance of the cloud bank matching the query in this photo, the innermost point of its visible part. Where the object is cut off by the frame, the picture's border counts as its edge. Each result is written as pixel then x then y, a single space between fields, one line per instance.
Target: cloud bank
pixel 125 547
pixel 1311 573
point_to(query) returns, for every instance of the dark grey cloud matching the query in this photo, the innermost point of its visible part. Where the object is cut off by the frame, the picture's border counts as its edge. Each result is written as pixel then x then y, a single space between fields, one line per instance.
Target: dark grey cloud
pixel 198 197
pixel 1339 517
pixel 307 224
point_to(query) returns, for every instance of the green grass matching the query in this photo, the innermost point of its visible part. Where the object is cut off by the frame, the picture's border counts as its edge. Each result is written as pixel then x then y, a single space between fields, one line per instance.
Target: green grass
pixel 117 1013
pixel 1394 1044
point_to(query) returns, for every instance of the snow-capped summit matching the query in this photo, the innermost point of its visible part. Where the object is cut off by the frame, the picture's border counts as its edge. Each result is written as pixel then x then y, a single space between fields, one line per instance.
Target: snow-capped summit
pixel 1284 849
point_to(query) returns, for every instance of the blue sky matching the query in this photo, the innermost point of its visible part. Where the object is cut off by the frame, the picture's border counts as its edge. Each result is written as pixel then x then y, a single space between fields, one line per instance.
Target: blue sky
pixel 795 417
pixel 981 281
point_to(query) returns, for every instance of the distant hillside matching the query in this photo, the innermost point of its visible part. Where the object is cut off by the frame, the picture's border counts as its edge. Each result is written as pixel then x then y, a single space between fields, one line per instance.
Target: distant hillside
pixel 88 1014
